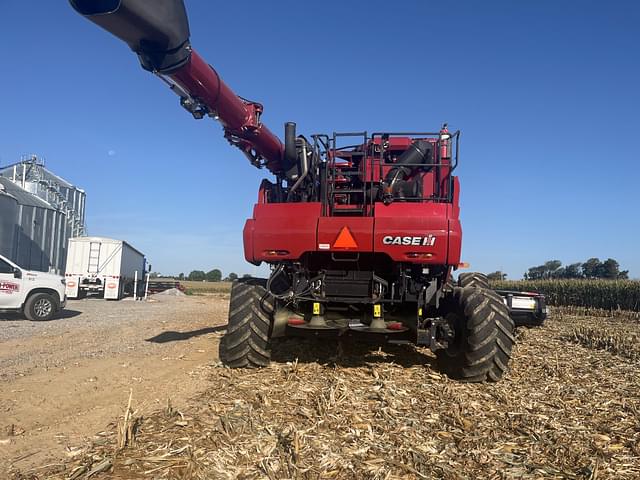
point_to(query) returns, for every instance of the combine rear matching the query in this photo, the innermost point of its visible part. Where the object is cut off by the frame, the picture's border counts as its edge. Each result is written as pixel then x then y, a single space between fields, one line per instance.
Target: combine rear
pixel 361 230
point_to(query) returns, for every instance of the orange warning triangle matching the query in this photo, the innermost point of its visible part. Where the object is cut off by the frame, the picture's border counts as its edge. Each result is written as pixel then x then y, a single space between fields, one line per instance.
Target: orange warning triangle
pixel 345 239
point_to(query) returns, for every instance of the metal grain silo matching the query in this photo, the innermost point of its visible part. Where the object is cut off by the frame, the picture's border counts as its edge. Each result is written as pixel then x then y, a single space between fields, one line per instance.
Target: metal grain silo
pixel 50 211
pixel 8 222
pixel 38 243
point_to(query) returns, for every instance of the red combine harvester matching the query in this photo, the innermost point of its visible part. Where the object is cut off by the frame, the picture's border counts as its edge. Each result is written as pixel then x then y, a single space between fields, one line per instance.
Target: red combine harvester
pixel 361 230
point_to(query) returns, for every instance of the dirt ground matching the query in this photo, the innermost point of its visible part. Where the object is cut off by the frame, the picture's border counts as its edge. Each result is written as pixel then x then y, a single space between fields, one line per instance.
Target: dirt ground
pixel 568 408
pixel 65 380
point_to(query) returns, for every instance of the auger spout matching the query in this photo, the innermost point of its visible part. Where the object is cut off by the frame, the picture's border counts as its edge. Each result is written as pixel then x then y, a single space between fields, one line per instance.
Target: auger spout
pixel 158 32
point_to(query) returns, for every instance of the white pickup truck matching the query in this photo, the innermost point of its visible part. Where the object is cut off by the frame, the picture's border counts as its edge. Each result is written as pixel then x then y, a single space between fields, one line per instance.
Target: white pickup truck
pixel 38 295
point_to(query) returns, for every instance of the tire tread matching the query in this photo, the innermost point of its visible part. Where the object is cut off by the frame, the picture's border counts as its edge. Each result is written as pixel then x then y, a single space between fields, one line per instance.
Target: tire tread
pixel 246 343
pixel 485 339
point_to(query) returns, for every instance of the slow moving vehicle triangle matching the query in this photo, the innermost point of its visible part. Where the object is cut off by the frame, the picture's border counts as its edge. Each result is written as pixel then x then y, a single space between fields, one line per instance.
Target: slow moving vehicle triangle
pixel 345 239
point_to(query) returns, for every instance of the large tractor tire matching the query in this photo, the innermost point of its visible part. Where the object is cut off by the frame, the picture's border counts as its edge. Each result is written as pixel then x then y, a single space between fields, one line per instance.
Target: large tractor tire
pixel 484 336
pixel 473 279
pixel 246 344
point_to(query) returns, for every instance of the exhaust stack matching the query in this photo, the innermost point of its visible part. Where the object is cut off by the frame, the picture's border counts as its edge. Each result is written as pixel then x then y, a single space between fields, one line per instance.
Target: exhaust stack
pixel 156 30
pixel 290 153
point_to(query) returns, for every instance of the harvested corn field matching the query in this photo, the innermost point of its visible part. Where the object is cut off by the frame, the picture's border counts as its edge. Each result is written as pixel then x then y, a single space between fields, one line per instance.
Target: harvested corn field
pixel 569 408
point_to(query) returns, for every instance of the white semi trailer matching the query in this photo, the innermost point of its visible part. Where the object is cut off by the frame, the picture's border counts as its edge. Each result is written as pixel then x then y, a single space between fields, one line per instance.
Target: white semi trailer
pixel 104 266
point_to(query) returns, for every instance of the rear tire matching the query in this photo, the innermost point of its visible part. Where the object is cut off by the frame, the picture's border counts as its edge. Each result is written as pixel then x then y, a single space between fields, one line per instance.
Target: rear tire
pixel 473 279
pixel 40 307
pixel 483 336
pixel 246 344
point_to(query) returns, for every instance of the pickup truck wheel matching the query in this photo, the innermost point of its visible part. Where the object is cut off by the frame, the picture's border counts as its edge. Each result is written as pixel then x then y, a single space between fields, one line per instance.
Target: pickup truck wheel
pixel 484 336
pixel 40 307
pixel 246 344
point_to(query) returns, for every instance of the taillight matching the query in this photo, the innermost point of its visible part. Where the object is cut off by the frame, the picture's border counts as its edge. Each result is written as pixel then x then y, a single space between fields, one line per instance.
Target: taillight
pixel 276 253
pixel 422 255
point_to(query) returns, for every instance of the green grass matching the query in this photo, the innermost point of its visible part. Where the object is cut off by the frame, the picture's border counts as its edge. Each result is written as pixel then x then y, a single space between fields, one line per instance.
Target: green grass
pixel 205 288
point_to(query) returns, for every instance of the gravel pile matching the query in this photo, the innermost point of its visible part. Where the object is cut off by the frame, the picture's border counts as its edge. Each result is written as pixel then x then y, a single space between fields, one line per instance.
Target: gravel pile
pixel 171 292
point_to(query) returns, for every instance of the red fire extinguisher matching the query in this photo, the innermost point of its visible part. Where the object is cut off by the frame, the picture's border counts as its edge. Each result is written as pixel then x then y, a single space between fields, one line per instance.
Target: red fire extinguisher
pixel 445 143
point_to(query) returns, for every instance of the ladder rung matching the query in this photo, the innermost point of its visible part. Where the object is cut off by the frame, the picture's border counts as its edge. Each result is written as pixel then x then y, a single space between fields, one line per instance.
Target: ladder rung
pixel 345 211
pixel 348 208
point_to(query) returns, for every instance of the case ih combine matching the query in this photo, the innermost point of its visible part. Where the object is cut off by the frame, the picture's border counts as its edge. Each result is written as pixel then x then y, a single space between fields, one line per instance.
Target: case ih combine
pixel 361 230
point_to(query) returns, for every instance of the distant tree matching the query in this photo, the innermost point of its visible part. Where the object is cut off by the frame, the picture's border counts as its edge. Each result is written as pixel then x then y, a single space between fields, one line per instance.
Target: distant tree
pixel 155 275
pixel 593 268
pixel 181 276
pixel 197 275
pixel 498 275
pixel 232 277
pixel 611 270
pixel 214 275
pixel 534 273
pixel 550 269
pixel 246 275
pixel 573 271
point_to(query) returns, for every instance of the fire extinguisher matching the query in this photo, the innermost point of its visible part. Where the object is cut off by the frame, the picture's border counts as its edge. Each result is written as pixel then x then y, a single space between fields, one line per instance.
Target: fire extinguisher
pixel 445 143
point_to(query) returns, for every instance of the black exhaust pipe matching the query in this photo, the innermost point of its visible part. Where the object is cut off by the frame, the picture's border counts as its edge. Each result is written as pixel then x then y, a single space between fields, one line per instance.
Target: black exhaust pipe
pixel 290 152
pixel 157 30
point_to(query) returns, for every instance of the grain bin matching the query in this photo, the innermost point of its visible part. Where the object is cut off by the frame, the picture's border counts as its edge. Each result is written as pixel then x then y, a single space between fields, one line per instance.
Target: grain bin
pixel 50 211
pixel 40 239
pixel 8 222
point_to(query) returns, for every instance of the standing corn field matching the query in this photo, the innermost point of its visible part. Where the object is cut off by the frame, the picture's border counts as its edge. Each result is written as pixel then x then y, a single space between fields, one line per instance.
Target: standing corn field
pixel 605 294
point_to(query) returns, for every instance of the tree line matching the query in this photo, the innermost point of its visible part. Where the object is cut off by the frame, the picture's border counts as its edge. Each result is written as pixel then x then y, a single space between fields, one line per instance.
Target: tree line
pixel 213 275
pixel 591 269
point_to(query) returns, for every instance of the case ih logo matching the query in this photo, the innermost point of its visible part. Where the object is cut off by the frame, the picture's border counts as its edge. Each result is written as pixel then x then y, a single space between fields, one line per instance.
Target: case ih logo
pixel 428 241
pixel 9 287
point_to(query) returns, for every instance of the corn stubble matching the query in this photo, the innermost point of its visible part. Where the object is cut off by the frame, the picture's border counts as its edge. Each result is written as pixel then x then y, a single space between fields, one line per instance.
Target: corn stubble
pixel 568 408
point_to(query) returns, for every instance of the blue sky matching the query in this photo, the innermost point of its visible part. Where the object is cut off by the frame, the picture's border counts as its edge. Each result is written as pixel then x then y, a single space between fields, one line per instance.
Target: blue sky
pixel 546 94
